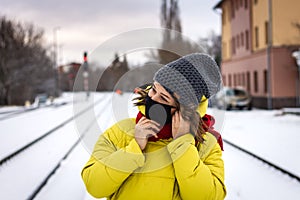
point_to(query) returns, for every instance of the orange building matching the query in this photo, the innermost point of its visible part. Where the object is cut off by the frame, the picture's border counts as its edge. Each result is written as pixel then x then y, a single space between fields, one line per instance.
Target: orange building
pixel 258 39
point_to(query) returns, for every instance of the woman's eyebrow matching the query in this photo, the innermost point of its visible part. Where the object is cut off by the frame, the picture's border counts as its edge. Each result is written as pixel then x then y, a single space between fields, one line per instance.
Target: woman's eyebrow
pixel 161 93
pixel 165 95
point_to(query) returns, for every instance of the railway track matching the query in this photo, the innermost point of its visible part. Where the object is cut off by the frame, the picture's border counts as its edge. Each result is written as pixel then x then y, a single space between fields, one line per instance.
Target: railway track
pixel 66 155
pixel 33 142
pixel 11 114
pixel 284 171
pixel 48 140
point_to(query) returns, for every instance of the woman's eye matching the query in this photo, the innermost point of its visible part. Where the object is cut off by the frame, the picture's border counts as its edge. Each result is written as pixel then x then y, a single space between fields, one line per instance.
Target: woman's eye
pixel 164 99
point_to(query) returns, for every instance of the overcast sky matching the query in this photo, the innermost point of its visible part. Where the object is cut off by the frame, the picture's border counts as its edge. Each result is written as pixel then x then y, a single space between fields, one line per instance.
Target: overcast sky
pixel 84 25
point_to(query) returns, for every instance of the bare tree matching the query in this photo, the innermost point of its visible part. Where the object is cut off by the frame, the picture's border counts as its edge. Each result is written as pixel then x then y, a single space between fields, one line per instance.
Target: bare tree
pixel 212 45
pixel 170 17
pixel 25 68
pixel 170 21
pixel 172 37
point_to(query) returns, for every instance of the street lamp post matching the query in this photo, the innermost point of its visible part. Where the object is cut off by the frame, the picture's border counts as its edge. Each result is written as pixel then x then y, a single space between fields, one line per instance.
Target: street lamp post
pixel 296 55
pixel 269 60
pixel 55 30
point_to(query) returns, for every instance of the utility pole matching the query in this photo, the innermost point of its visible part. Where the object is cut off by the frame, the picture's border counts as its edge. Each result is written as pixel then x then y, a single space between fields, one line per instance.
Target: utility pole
pixel 269 48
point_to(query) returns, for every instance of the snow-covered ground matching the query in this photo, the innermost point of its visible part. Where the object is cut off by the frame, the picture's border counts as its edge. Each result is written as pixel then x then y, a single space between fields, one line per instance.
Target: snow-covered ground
pixel 265 133
pixel 270 135
pixel 9 109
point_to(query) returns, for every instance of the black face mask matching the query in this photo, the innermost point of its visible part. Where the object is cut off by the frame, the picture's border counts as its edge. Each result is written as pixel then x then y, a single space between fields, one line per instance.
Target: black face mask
pixel 158 112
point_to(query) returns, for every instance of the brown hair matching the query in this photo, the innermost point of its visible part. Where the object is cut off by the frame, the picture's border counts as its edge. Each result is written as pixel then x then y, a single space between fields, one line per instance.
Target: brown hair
pixel 188 113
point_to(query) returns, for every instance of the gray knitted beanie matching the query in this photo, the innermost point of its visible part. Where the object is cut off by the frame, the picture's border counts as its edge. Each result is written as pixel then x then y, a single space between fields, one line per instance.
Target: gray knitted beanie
pixel 191 77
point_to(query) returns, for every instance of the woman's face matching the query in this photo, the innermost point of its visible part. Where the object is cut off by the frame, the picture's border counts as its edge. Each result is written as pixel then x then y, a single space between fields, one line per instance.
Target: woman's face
pixel 159 94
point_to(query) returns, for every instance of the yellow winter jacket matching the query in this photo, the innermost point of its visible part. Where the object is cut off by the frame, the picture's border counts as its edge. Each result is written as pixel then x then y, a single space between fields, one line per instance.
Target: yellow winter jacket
pixel 164 170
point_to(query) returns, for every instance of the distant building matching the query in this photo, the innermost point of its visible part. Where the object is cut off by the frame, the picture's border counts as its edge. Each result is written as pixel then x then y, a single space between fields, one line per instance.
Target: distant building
pixel 113 74
pixel 258 39
pixel 66 76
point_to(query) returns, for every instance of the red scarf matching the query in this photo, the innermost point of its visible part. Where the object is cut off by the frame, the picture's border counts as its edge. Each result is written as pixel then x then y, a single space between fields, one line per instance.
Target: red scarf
pixel 209 122
pixel 166 131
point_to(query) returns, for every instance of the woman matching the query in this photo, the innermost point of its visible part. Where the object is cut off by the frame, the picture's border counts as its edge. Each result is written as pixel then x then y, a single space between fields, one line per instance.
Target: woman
pixel 168 151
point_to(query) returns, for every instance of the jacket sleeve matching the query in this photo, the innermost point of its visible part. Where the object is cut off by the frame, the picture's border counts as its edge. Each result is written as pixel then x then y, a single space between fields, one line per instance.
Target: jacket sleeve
pixel 110 165
pixel 198 178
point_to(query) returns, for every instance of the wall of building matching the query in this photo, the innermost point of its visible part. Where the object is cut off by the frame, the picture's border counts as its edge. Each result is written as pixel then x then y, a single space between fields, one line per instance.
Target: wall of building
pixel 240 27
pixel 283 81
pixel 226 30
pixel 285 75
pixel 285 15
pixel 259 19
pixel 249 69
pixel 242 73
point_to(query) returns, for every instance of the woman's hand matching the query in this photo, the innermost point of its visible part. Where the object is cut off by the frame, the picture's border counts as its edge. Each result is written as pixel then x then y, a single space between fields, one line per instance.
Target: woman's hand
pixel 144 129
pixel 179 125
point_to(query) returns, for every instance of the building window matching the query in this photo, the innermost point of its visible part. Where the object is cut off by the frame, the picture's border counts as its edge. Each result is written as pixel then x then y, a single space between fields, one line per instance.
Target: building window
pixel 234 80
pixel 224 80
pixel 231 42
pixel 241 3
pixel 246 4
pixel 233 45
pixel 266 81
pixel 237 41
pixel 255 81
pixel 242 39
pixel 223 49
pixel 228 48
pixel 256 37
pixel 247 40
pixel 243 79
pixel 232 9
pixel 237 5
pixel 248 82
pixel 267 32
pixel 229 80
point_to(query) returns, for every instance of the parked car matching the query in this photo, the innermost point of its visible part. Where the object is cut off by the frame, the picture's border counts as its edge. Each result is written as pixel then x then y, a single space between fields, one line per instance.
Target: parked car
pixel 230 98
pixel 41 100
